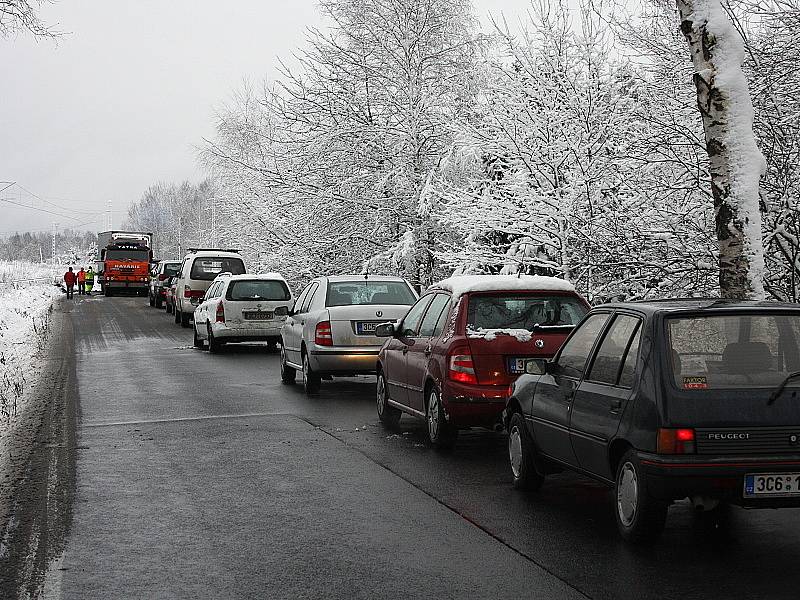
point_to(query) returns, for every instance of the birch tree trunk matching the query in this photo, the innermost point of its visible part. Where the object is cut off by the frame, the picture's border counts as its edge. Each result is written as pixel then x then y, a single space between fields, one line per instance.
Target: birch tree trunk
pixel 736 164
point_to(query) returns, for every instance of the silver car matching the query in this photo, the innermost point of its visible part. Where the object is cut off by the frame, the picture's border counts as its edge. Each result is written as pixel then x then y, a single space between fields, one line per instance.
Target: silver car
pixel 331 330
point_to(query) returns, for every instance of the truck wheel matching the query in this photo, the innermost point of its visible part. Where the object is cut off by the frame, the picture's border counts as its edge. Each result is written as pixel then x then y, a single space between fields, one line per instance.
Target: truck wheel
pixel 288 374
pixel 521 455
pixel 441 435
pixel 185 319
pixel 640 517
pixel 388 414
pixel 107 292
pixel 311 379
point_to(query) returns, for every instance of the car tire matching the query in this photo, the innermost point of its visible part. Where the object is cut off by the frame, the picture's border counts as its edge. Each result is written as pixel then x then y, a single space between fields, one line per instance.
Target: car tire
pixel 185 318
pixel 288 374
pixel 158 302
pixel 214 346
pixel 311 379
pixel 151 300
pixel 107 292
pixel 441 435
pixel 198 343
pixel 387 414
pixel 640 517
pixel 522 455
pixel 272 345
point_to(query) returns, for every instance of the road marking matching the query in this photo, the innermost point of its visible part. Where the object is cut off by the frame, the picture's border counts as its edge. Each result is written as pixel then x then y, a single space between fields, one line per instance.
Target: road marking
pixel 180 419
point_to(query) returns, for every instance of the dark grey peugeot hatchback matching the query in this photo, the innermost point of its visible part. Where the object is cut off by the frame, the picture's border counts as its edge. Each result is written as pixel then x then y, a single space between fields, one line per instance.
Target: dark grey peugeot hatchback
pixel 666 400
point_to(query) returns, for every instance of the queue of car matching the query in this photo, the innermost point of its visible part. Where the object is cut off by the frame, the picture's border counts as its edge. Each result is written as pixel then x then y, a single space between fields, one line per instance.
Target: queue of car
pixel 659 400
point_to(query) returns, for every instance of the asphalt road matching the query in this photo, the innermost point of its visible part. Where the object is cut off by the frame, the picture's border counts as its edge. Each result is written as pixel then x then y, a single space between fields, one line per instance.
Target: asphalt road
pixel 200 475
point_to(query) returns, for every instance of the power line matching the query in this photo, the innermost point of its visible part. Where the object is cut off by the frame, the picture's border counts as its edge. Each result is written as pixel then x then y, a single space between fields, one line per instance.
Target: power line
pixel 22 187
pixel 39 209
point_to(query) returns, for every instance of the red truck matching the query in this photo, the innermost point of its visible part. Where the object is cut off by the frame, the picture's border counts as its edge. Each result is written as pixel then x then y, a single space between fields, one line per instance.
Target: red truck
pixel 125 257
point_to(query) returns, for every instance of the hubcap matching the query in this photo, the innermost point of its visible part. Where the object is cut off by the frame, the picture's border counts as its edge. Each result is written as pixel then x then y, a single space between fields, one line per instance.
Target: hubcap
pixel 433 416
pixel 381 395
pixel 283 361
pixel 306 369
pixel 515 451
pixel 627 494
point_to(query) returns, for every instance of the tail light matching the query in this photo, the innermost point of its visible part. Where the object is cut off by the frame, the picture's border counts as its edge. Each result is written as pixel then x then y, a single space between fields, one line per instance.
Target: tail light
pixel 675 441
pixel 190 293
pixel 322 334
pixel 461 368
pixel 220 313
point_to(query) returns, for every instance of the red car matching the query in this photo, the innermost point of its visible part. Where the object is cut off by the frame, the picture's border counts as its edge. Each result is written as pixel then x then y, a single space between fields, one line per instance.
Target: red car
pixel 451 359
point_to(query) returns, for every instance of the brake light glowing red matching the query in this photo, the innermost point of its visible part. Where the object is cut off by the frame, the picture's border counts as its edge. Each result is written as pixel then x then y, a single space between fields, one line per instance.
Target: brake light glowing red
pixel 461 367
pixel 220 318
pixel 322 334
pixel 675 441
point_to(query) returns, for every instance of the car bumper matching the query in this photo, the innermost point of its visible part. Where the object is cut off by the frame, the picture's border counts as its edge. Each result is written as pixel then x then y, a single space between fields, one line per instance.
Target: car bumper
pixel 675 477
pixel 245 333
pixel 344 360
pixel 473 405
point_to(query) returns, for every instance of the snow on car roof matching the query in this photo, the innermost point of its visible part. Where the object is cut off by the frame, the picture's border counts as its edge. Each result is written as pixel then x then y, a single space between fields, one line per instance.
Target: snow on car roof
pixel 369 277
pixel 463 284
pixel 264 276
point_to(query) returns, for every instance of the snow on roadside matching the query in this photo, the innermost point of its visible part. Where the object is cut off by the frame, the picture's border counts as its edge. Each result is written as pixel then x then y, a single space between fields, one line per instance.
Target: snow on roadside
pixel 24 319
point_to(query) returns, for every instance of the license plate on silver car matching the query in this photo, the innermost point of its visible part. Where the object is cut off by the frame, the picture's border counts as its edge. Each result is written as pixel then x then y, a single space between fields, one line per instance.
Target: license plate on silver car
pixel 758 485
pixel 257 315
pixel 516 365
pixel 366 327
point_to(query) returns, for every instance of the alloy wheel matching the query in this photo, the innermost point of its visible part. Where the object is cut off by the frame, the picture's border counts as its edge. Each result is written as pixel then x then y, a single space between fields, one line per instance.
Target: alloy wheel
pixel 433 416
pixel 627 494
pixel 515 451
pixel 381 395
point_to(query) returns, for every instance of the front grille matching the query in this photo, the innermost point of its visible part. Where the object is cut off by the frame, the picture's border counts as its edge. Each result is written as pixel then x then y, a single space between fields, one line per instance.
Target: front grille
pixel 750 440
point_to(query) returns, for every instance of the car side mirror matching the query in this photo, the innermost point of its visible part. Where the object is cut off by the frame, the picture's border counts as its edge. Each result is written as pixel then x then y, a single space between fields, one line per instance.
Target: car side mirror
pixel 537 366
pixel 385 330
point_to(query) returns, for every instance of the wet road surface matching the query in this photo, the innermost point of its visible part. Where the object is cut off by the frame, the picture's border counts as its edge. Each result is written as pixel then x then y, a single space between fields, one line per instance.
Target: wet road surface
pixel 202 476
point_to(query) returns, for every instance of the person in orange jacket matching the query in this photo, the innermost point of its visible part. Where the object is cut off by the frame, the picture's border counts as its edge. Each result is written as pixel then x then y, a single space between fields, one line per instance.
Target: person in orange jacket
pixel 82 282
pixel 69 280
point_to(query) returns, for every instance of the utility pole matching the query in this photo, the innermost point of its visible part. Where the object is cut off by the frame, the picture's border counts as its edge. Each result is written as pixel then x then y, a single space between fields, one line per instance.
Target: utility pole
pixel 214 222
pixel 55 227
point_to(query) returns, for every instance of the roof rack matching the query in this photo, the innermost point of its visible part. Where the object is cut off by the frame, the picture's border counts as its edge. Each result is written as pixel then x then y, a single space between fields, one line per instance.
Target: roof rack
pixel 678 299
pixel 212 250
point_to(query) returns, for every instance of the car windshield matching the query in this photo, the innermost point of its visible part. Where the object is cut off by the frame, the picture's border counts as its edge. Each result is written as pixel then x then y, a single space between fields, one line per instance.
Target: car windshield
pixel 207 268
pixel 733 351
pixel 172 269
pixel 345 293
pixel 137 255
pixel 257 290
pixel 523 311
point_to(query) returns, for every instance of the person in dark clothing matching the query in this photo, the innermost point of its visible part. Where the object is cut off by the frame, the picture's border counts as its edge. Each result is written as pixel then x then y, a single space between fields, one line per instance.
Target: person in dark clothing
pixel 69 280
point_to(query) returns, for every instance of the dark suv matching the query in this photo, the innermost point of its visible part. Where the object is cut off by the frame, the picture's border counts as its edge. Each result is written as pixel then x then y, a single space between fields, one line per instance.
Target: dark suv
pixel 664 401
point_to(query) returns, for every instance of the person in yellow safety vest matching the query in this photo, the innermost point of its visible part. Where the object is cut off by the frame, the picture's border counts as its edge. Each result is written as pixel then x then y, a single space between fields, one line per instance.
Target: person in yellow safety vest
pixel 89 280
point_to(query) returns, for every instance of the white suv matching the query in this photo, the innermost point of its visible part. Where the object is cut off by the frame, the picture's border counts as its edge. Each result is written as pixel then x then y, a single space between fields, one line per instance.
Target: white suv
pixel 200 267
pixel 242 308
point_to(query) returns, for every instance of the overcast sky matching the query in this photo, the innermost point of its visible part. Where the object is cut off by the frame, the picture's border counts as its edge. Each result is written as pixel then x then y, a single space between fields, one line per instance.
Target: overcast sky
pixel 125 98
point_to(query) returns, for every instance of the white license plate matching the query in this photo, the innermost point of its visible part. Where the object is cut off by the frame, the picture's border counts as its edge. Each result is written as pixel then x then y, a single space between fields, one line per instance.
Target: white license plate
pixel 771 484
pixel 365 327
pixel 516 365
pixel 257 315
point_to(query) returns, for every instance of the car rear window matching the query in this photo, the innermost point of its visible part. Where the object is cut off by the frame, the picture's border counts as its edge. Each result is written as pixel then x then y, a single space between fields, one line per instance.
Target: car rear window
pixel 172 269
pixel 523 311
pixel 206 268
pixel 255 289
pixel 733 351
pixel 346 293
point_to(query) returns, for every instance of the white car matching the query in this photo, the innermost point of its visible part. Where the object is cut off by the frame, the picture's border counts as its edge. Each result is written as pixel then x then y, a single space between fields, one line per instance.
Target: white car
pixel 242 308
pixel 199 268
pixel 331 330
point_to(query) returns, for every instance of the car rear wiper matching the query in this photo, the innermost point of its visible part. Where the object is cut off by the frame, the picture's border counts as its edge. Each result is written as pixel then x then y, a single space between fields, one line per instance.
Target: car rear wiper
pixel 780 388
pixel 541 326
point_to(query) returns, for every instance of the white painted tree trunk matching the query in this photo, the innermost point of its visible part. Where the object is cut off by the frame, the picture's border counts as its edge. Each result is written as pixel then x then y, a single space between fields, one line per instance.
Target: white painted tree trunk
pixel 736 163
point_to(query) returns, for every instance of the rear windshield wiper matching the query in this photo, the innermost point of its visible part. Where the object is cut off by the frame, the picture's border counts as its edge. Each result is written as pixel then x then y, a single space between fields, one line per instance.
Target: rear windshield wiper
pixel 774 395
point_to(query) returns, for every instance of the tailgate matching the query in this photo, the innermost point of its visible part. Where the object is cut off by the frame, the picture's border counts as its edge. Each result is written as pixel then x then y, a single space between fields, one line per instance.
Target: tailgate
pixel 499 357
pixel 355 325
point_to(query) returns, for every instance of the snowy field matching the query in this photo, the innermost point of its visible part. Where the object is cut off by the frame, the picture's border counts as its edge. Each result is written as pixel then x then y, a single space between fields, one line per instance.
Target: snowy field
pixel 25 308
